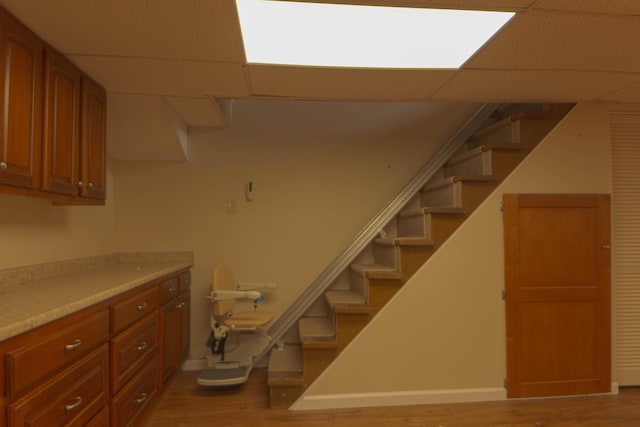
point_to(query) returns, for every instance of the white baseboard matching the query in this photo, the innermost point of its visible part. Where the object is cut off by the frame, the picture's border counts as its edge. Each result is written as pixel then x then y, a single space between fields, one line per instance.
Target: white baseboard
pixel 400 398
pixel 419 397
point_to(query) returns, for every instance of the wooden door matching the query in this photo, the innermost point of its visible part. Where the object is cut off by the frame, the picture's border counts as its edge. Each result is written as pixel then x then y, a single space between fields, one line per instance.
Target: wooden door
pixel 20 106
pixel 93 141
pixel 558 302
pixel 61 158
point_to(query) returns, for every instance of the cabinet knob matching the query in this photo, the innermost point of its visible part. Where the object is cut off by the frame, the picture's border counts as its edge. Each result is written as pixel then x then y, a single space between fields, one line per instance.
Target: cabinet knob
pixel 143 346
pixel 80 184
pixel 141 398
pixel 3 165
pixel 90 186
pixel 142 306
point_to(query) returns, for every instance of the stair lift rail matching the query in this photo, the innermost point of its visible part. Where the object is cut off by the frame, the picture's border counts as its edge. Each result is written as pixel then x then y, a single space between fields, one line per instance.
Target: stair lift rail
pixel 368 233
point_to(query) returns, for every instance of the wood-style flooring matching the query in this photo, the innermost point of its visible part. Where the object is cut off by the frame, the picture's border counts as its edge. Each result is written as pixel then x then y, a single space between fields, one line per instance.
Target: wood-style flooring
pixel 185 404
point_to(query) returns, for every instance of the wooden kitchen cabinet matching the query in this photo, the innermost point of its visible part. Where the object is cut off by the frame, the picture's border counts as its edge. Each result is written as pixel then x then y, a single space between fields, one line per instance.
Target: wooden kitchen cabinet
pixel 52 121
pixel 93 143
pixel 72 397
pixel 26 365
pixel 74 148
pixel 61 149
pixel 174 323
pixel 102 366
pixel 21 72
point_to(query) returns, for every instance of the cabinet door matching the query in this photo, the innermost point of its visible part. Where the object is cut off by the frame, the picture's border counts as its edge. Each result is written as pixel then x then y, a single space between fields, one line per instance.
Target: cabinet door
pixel 61 157
pixel 185 314
pixel 20 106
pixel 93 141
pixel 170 343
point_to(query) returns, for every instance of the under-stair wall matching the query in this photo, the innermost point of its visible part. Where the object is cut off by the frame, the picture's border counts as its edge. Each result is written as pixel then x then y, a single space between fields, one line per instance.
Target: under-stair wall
pixel 417 233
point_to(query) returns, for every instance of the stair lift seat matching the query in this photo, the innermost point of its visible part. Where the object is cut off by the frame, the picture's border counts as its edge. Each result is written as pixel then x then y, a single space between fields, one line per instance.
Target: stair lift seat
pixel 224 293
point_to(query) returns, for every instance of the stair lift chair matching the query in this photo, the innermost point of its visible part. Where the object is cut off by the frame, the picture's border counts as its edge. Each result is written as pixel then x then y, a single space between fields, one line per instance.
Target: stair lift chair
pixel 244 326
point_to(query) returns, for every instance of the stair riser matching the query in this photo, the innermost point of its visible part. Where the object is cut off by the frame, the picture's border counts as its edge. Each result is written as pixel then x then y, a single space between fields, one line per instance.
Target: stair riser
pixel 386 255
pixel 433 226
pixel 509 133
pixel 474 193
pixel 413 258
pixel 445 196
pixel 359 285
pixel 348 326
pixel 479 164
pixel 316 361
pixel 381 291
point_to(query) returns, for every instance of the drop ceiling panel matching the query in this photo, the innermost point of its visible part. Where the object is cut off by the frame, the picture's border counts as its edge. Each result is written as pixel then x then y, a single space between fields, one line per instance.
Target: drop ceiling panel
pixel 193 29
pixel 345 83
pixel 539 40
pixel 515 86
pixel 165 77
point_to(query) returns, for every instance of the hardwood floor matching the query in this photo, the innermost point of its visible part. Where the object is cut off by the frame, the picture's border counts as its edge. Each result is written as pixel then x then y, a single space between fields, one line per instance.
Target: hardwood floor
pixel 186 404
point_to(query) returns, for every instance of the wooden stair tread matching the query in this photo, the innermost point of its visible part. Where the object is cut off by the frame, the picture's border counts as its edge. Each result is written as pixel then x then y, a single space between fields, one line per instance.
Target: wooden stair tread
pixel 344 298
pixel 313 329
pixel 376 271
pixel 404 241
pixel 457 178
pixel 497 146
pixel 446 210
pixel 286 365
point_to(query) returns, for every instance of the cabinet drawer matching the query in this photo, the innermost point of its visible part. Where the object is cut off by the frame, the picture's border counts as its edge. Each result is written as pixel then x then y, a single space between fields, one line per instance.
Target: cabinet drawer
pixel 133 308
pixel 30 364
pixel 185 281
pixel 136 396
pixel 69 399
pixel 100 420
pixel 169 289
pixel 131 349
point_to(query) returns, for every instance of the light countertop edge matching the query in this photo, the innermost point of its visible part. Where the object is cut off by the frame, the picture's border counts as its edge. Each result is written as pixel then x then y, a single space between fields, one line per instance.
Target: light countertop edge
pixel 26 306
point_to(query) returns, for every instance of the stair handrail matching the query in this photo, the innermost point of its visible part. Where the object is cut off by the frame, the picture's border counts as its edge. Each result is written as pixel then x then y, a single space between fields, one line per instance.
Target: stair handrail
pixel 369 232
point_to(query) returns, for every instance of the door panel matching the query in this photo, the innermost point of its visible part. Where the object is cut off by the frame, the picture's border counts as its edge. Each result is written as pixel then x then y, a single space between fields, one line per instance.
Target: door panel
pixel 558 294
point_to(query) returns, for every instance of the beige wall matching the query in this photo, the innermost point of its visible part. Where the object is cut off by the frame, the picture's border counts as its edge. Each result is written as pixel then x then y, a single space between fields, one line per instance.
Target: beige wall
pixel 318 180
pixel 445 330
pixel 35 231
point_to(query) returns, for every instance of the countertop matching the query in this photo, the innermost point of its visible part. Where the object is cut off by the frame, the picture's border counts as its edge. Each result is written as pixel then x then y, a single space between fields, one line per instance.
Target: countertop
pixel 36 295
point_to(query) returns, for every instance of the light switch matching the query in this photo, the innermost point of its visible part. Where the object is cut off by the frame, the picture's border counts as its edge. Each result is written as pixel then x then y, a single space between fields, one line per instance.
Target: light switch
pixel 231 206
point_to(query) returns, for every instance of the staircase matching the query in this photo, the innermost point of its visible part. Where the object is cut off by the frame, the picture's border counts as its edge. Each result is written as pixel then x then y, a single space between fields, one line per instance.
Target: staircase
pixel 421 227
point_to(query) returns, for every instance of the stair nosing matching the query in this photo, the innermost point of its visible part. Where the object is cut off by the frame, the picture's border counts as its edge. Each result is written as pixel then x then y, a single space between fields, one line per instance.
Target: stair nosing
pixel 443 182
pixel 446 210
pixel 404 241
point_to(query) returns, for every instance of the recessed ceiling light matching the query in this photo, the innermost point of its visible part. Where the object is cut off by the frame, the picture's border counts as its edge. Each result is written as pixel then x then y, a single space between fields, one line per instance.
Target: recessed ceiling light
pixel 338 35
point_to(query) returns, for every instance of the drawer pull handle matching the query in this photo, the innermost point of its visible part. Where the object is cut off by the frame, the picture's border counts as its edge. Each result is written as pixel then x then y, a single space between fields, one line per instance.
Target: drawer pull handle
pixel 77 401
pixel 75 344
pixel 141 398
pixel 143 346
pixel 172 289
pixel 142 306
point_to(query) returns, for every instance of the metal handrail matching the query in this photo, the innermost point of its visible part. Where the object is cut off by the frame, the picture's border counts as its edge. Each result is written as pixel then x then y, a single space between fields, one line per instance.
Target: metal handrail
pixel 369 232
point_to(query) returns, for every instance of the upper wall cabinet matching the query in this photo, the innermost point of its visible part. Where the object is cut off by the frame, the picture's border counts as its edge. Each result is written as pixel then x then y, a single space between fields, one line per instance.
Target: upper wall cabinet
pixel 53 122
pixel 93 144
pixel 61 150
pixel 21 72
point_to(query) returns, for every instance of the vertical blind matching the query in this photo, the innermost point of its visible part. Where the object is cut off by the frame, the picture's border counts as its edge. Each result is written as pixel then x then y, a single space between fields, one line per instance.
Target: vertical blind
pixel 625 143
